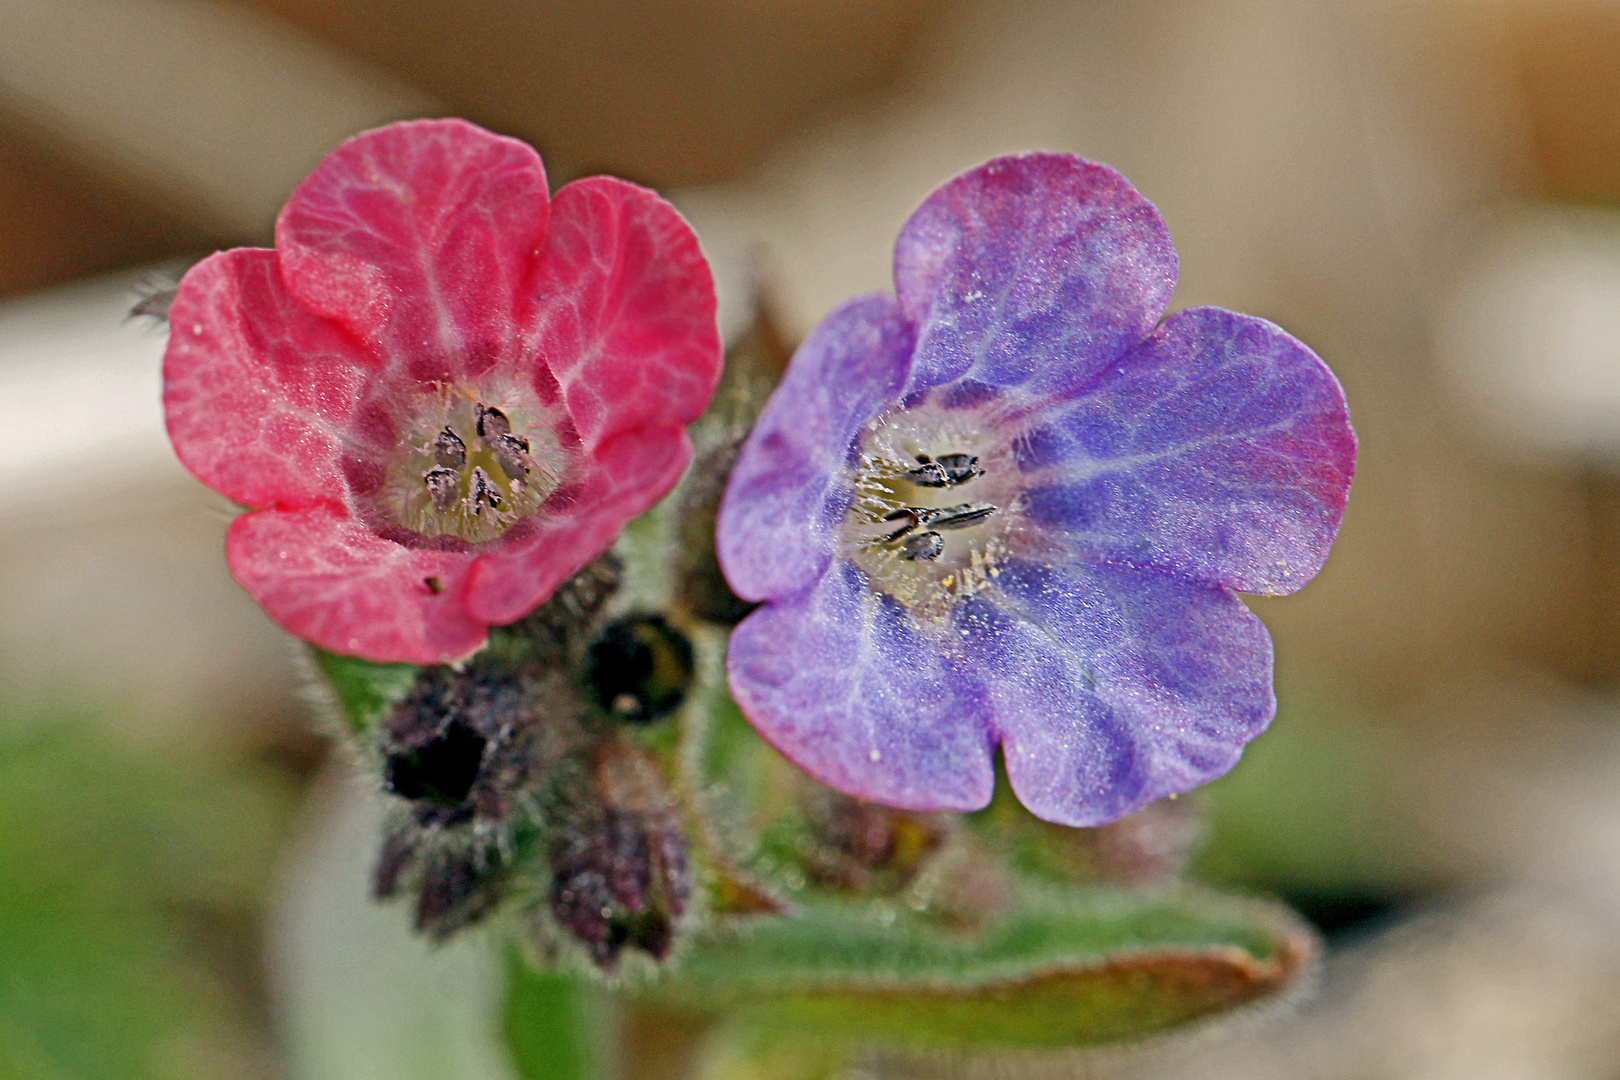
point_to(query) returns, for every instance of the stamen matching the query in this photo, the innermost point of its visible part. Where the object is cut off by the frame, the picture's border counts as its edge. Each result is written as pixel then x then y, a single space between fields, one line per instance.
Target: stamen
pixel 492 422
pixel 947 470
pixel 928 474
pixel 444 485
pixel 512 454
pixel 484 493
pixel 959 516
pixel 448 449
pixel 924 547
pixel 959 468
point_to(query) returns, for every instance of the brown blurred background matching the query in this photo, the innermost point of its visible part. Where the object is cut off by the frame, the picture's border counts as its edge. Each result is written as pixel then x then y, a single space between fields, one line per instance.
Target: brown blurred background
pixel 1427 192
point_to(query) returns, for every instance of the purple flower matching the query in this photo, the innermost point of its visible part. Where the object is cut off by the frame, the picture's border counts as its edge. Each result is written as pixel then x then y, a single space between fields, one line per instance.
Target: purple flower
pixel 1012 507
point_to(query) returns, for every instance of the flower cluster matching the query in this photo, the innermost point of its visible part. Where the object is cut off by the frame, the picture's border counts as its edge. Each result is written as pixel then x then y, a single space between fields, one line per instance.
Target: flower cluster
pixel 1010 507
pixel 444 391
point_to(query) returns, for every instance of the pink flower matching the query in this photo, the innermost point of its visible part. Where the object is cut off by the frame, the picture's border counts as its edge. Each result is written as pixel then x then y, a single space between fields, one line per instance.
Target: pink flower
pixel 443 392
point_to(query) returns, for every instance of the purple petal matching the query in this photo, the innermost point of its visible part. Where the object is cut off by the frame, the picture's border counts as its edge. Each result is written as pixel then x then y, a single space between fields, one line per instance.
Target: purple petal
pixel 1220 450
pixel 1037 271
pixel 1113 686
pixel 790 489
pixel 843 682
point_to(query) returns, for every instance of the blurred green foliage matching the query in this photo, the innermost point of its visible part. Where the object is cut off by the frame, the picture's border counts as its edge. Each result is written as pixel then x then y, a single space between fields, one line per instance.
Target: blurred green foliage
pixel 130 884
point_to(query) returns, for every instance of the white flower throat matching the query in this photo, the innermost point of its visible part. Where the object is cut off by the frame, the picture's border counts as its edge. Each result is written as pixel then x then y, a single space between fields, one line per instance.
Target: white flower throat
pixel 934 503
pixel 470 468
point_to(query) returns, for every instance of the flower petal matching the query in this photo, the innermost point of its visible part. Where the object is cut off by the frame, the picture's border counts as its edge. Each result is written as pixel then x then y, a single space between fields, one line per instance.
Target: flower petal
pixel 626 477
pixel 788 493
pixel 1037 271
pixel 1113 686
pixel 842 682
pixel 623 311
pixel 421 239
pixel 333 582
pixel 255 388
pixel 1221 450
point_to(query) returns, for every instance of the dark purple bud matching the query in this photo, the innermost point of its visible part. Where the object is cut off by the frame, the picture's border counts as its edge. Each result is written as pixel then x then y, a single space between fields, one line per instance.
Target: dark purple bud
pixel 865 847
pixel 397 856
pixel 620 870
pixel 620 879
pixel 640 667
pixel 459 887
pixel 441 772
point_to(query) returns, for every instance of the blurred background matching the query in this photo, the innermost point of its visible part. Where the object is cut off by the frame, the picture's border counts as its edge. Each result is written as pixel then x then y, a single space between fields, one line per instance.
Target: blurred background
pixel 1426 191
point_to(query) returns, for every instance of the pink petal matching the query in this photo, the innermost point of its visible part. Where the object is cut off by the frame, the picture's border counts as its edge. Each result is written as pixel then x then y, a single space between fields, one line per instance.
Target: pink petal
pixel 624 310
pixel 420 238
pixel 627 476
pixel 331 581
pixel 256 388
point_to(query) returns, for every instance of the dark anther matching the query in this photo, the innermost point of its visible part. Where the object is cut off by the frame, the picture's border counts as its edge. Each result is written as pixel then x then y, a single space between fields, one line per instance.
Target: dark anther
pixel 448 450
pixel 442 772
pixel 640 667
pixel 512 452
pixel 483 492
pixel 947 470
pixel 434 585
pixel 492 422
pixel 928 474
pixel 924 547
pixel 445 487
pixel 959 468
pixel 911 515
pixel 960 516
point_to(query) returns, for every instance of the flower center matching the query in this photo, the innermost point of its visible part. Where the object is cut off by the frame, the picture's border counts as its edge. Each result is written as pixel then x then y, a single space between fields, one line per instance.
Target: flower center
pixel 471 466
pixel 933 502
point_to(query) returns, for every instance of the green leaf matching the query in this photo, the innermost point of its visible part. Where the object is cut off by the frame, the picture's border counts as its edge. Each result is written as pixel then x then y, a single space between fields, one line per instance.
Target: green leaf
pixel 1063 968
pixel 116 863
pixel 550 1024
pixel 364 690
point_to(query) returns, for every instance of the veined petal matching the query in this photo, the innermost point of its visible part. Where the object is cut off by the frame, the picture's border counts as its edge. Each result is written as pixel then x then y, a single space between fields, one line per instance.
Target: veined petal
pixel 333 582
pixel 258 391
pixel 790 490
pixel 623 310
pixel 1113 686
pixel 625 477
pixel 1220 450
pixel 842 682
pixel 1037 271
pixel 421 238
